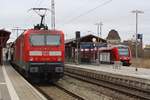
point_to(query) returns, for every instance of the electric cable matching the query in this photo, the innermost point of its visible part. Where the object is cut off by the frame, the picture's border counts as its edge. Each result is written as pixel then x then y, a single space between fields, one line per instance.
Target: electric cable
pixel 89 11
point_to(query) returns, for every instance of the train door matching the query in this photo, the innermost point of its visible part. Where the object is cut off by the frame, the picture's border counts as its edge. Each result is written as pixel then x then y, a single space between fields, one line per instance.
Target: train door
pixel 105 57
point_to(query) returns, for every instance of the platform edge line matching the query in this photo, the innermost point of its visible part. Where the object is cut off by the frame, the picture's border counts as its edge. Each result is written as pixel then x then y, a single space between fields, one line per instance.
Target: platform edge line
pixel 10 87
pixel 30 86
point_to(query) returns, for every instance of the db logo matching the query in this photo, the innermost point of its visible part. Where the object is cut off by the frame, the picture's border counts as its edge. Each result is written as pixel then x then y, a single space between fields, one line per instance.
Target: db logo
pixel 45 53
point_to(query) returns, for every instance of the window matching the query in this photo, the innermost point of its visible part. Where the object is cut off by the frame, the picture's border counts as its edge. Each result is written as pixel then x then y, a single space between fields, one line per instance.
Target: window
pixel 37 40
pixel 52 39
pixel 44 40
pixel 123 51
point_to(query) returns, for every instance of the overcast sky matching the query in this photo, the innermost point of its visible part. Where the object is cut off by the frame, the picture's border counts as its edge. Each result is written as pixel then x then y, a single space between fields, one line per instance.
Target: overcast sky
pixel 80 15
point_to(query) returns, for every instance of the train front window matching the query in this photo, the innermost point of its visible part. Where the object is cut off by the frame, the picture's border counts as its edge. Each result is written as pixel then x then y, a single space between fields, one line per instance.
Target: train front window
pixel 37 40
pixel 52 40
pixel 123 51
pixel 44 40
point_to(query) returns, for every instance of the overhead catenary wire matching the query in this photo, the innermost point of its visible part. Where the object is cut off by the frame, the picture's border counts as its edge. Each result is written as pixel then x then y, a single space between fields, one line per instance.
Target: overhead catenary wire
pixel 89 11
pixel 36 2
pixel 41 2
pixel 79 8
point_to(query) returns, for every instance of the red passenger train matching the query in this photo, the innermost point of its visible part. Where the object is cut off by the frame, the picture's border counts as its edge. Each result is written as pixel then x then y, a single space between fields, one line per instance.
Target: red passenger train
pixel 39 53
pixel 116 53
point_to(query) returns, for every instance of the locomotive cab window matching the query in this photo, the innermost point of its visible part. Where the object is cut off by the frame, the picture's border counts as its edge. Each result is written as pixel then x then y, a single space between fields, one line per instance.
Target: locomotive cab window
pixel 44 39
pixel 52 40
pixel 37 40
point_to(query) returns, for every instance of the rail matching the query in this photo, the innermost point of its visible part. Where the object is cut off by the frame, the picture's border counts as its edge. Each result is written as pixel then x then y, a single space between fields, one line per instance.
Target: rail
pixel 41 89
pixel 132 87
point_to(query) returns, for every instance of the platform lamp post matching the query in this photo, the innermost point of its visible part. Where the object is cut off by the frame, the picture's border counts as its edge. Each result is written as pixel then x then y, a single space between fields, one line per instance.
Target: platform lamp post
pixel 137 12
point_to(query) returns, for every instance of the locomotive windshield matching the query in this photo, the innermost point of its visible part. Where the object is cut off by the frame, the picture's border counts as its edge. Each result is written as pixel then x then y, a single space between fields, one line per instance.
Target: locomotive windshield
pixel 44 39
pixel 52 40
pixel 123 51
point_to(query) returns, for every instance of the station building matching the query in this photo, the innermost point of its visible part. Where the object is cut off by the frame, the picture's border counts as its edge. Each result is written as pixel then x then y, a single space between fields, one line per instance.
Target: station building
pixel 86 49
pixel 4 36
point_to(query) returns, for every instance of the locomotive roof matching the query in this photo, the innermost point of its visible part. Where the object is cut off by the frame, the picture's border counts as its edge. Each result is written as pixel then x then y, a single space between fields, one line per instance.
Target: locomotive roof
pixel 33 30
pixel 120 46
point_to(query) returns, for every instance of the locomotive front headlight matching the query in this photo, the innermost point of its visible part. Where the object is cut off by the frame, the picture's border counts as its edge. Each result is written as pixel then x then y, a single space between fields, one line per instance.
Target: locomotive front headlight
pixel 31 58
pixel 59 59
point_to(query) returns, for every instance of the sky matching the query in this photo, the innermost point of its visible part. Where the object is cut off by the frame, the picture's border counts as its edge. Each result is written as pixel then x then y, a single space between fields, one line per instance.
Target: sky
pixel 80 15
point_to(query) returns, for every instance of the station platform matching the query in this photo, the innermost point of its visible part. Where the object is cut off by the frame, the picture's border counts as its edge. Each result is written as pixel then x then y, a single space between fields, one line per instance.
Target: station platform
pixel 14 87
pixel 130 72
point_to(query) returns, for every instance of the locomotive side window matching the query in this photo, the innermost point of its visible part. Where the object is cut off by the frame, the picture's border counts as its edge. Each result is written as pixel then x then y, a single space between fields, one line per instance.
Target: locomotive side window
pixel 52 40
pixel 123 51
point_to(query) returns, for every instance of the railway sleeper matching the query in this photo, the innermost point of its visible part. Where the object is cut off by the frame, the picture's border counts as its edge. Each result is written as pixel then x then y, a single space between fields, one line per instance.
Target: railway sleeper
pixel 122 81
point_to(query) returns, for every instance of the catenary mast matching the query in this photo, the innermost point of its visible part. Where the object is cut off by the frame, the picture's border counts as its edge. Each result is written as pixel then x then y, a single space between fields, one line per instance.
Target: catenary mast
pixel 52 14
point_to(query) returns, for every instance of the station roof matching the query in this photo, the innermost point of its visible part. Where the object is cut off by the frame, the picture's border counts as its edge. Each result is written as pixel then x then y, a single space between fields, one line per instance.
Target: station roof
pixel 4 36
pixel 86 38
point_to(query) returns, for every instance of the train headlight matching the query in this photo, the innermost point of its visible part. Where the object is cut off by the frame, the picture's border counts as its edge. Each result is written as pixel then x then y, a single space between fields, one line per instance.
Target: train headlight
pixel 31 59
pixel 59 59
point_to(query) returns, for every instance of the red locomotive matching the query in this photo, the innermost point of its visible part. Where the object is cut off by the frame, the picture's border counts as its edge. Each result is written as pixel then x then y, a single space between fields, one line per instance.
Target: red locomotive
pixel 116 53
pixel 39 53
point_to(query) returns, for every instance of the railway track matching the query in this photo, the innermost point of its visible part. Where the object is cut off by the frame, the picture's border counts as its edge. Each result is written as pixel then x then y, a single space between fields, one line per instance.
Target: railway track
pixel 78 97
pixel 136 92
pixel 57 92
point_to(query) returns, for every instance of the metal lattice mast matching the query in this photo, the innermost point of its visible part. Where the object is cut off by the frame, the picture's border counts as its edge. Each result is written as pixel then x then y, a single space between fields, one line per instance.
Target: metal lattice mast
pixel 52 14
pixel 99 29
